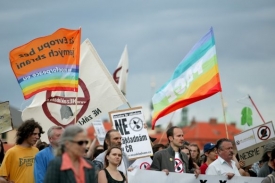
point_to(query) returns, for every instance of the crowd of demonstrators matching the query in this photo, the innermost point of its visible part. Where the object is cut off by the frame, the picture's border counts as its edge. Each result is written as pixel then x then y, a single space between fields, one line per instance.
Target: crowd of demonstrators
pixel 111 174
pixel 112 138
pixel 69 164
pixel 18 162
pixel 44 156
pixel 195 153
pixel 172 159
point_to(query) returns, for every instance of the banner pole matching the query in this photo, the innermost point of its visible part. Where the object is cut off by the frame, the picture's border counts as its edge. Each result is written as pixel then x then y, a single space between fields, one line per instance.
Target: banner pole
pixel 224 117
pixel 166 128
pixel 76 98
pixel 128 104
pixel 256 108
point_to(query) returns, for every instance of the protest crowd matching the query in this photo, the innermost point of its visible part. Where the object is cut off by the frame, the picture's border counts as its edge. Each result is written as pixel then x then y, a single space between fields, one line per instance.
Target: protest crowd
pixel 68 159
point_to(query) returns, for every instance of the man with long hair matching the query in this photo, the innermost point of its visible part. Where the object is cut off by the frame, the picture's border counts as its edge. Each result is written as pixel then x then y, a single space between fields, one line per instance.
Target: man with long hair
pixel 18 162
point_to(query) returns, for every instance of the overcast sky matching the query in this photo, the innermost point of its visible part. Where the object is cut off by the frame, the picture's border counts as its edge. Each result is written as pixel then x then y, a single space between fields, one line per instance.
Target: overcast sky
pixel 158 35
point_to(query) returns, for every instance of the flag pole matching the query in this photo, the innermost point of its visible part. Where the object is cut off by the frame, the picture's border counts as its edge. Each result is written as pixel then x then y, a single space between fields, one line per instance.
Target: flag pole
pixel 76 98
pixel 166 128
pixel 224 117
pixel 128 104
pixel 256 108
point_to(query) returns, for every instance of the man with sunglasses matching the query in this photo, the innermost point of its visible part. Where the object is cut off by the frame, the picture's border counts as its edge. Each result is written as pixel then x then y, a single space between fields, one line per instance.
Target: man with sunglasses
pixel 224 165
pixel 43 158
pixel 210 152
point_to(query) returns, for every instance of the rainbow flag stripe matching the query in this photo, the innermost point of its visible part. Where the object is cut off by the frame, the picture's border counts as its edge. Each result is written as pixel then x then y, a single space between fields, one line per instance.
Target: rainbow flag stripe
pixel 195 78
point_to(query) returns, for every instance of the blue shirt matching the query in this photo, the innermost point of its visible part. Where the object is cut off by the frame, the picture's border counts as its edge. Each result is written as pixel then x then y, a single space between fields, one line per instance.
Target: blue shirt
pixel 41 162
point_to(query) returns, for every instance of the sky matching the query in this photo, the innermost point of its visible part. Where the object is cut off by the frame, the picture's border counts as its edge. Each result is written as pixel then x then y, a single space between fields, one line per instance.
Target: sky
pixel 158 35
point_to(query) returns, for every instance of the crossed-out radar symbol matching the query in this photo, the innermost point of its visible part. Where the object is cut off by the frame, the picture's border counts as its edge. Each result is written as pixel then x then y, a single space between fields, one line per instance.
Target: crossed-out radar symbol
pixel 136 124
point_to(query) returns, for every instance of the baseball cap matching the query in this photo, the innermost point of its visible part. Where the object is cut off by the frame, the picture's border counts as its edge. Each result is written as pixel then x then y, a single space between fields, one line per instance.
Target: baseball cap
pixel 269 146
pixel 208 146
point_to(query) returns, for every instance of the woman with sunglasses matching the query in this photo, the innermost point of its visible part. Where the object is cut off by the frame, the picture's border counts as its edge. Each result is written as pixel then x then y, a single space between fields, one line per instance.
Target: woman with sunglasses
pixel 110 174
pixel 69 164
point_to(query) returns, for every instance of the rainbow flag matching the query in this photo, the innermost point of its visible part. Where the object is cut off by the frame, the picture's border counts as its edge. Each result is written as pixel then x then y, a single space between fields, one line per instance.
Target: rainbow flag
pixel 195 78
pixel 48 63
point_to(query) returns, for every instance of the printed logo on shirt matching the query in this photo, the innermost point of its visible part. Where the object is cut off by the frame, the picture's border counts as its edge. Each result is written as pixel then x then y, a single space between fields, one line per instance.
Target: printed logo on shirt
pixel 144 166
pixel 178 166
pixel 28 161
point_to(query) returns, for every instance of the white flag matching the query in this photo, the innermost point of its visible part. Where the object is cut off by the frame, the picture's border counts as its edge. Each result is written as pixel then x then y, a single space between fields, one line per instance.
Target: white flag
pixel 97 94
pixel 121 73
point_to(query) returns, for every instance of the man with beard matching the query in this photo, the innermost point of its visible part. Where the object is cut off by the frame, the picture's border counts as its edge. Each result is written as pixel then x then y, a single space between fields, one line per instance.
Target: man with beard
pixel 18 163
pixel 224 165
pixel 172 159
pixel 112 138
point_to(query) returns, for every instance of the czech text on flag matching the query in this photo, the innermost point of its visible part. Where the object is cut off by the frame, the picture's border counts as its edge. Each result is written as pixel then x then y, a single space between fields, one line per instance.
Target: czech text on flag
pixel 48 63
pixel 195 78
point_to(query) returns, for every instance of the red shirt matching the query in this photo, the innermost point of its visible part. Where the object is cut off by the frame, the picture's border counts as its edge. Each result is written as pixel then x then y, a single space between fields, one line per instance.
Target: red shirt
pixel 203 168
pixel 67 164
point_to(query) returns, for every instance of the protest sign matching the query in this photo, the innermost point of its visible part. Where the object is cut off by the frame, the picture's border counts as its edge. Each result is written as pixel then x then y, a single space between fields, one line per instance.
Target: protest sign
pixel 99 130
pixel 5 118
pixel 138 176
pixel 250 144
pixel 135 139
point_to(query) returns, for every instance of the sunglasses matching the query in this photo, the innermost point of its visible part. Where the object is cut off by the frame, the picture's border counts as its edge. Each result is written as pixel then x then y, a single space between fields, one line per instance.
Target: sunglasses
pixel 81 142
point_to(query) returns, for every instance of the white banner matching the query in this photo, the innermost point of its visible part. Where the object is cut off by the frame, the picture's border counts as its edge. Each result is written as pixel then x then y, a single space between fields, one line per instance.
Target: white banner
pixel 142 163
pixel 97 94
pixel 99 130
pixel 140 176
pixel 135 139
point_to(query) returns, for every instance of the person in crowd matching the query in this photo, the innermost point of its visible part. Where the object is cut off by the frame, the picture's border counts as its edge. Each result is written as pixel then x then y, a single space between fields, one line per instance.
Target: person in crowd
pixel 257 165
pixel 2 152
pixel 41 145
pixel 112 138
pixel 191 166
pixel 224 164
pixel 210 152
pixel 97 150
pixel 43 158
pixel 111 174
pixel 172 159
pixel 69 164
pixel 195 153
pixel 268 165
pixel 270 178
pixel 18 163
pixel 158 147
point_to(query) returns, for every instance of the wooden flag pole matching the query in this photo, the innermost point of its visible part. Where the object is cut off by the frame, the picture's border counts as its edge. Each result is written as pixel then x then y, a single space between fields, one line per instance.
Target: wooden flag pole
pixel 256 108
pixel 223 108
pixel 166 128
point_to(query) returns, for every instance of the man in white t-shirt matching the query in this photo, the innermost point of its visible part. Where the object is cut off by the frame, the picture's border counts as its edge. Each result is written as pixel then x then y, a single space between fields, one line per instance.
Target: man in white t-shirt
pixel 224 165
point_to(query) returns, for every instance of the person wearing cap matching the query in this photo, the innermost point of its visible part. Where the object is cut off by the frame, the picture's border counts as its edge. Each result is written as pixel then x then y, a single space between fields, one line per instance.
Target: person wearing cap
pixel 271 177
pixel 210 152
pixel 224 165
pixel 268 165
